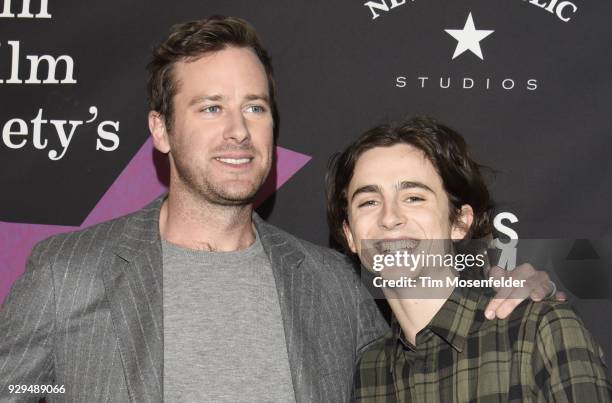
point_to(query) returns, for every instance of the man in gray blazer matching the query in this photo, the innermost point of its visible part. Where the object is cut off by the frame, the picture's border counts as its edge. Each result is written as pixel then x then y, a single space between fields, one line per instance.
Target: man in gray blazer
pixel 194 297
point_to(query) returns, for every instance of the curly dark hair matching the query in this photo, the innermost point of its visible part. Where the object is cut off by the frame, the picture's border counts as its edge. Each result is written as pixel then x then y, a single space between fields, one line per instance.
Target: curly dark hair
pixel 191 40
pixel 443 147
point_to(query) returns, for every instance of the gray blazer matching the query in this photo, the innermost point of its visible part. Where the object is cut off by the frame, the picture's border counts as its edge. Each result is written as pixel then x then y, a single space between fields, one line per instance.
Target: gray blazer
pixel 87 314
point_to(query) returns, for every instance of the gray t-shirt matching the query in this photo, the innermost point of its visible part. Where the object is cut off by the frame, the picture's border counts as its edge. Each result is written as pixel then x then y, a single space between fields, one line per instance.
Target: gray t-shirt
pixel 223 332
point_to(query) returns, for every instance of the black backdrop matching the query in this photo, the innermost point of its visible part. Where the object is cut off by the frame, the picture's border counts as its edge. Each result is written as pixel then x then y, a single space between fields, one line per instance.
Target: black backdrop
pixel 535 107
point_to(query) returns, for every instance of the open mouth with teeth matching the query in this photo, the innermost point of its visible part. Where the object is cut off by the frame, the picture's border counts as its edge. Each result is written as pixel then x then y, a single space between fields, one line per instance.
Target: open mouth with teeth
pixel 234 161
pixel 386 246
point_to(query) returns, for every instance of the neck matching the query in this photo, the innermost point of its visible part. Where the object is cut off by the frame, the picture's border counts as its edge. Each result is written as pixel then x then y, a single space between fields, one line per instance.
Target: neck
pixel 193 223
pixel 413 314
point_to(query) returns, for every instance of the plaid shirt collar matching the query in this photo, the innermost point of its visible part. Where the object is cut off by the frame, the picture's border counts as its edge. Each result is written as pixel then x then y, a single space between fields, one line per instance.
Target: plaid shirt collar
pixel 463 309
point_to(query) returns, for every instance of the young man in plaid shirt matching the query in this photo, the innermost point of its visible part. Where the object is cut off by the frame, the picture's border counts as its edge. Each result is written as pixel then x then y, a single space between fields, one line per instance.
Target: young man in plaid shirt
pixel 404 188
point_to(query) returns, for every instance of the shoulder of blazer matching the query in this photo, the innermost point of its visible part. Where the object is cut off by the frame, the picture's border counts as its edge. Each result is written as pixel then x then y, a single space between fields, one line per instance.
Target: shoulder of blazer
pixel 61 249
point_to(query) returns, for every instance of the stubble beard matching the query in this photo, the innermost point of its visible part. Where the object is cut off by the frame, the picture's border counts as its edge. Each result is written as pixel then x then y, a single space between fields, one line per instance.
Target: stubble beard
pixel 200 186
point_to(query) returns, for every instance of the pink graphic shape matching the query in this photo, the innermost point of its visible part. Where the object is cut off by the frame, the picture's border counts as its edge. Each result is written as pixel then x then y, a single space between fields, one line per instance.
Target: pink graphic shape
pixel 136 186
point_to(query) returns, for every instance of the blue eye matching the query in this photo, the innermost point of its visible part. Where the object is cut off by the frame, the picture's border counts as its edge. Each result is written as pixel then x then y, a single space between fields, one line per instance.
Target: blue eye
pixel 211 109
pixel 256 109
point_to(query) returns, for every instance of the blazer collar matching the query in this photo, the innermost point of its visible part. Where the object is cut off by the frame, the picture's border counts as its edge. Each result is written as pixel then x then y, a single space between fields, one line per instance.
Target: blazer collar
pixel 141 232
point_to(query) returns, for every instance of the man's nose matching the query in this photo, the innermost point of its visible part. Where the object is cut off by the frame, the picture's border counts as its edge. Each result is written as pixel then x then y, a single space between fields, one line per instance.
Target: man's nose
pixel 391 217
pixel 236 128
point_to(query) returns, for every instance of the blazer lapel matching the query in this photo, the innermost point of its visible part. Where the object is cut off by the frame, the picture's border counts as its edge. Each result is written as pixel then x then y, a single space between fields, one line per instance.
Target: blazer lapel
pixel 133 282
pixel 294 296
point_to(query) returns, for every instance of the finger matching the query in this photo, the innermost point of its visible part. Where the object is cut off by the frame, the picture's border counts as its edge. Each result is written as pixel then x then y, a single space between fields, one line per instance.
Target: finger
pixel 516 296
pixel 539 290
pixel 506 307
pixel 497 300
pixel 540 293
pixel 524 271
pixel 560 296
pixel 544 276
pixel 492 307
pixel 496 272
pixel 539 280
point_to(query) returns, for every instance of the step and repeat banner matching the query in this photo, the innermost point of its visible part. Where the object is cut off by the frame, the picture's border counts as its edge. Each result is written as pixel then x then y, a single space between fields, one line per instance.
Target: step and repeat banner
pixel 527 82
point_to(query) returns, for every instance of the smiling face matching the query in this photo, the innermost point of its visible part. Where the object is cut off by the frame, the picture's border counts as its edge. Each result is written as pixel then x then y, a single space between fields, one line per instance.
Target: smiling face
pixel 396 196
pixel 220 146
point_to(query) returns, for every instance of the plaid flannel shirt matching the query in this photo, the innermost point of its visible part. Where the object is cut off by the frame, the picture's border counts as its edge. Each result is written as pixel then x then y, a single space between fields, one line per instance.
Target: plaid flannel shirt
pixel 541 352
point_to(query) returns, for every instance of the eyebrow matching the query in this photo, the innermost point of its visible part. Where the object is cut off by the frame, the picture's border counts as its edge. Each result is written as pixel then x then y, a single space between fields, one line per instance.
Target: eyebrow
pixel 201 98
pixel 403 185
pixel 256 97
pixel 366 189
pixel 217 97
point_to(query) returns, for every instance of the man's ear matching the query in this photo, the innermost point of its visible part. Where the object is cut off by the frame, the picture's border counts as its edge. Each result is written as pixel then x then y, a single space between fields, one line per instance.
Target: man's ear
pixel 462 223
pixel 159 134
pixel 349 236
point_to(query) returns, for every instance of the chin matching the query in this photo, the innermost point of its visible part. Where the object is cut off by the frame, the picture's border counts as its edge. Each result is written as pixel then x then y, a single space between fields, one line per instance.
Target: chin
pixel 244 195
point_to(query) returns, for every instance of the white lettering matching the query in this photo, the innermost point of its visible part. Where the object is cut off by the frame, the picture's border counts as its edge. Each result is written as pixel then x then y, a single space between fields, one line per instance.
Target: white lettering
pixel 562 7
pixel 14 79
pixel 556 8
pixel 52 64
pixel 510 86
pixel 467 83
pixel 14 130
pixel 8 132
pixel 6 10
pixel 35 63
pixel 382 6
pixel 499 225
pixel 551 6
pixel 25 10
pixel 37 123
pixel 63 138
pixel 532 84
pixel 537 3
pixel 508 256
pixel 109 136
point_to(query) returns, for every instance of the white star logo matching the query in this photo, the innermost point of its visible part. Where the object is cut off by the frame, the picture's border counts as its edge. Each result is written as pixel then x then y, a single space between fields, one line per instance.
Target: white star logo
pixel 469 38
